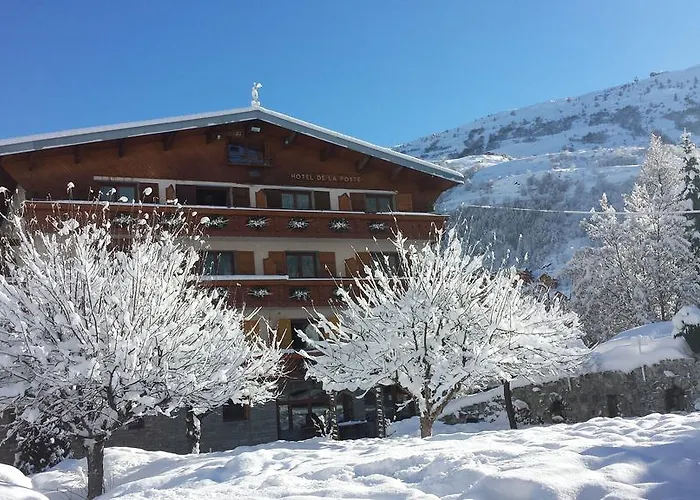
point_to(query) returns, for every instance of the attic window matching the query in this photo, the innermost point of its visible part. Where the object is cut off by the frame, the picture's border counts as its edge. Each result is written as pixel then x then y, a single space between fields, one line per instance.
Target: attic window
pixel 242 155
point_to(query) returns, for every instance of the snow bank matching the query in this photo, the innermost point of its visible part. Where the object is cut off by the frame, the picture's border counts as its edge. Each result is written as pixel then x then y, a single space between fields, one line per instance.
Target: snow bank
pixel 16 486
pixel 645 345
pixel 654 457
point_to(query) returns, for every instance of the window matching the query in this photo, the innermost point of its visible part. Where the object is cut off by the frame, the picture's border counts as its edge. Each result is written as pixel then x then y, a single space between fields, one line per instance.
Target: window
pixel 378 203
pixel 210 196
pixel 118 192
pixel 301 265
pixel 218 264
pixel 234 412
pixel 297 200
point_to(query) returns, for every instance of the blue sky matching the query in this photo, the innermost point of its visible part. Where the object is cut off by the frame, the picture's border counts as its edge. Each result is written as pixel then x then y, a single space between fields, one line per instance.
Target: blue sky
pixel 385 71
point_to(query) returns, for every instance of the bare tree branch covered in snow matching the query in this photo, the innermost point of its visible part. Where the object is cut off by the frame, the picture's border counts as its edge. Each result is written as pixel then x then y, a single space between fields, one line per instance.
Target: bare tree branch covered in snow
pixel 441 324
pixel 644 268
pixel 96 332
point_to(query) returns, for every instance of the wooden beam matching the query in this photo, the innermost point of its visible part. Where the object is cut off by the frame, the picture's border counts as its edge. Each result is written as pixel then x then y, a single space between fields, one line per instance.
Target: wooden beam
pixel 77 154
pixel 290 139
pixel 327 152
pixel 121 150
pixel 395 173
pixel 362 164
pixel 32 159
pixel 168 141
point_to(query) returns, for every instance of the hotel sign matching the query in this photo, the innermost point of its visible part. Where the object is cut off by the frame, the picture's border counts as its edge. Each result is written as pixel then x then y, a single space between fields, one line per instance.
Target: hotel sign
pixel 311 177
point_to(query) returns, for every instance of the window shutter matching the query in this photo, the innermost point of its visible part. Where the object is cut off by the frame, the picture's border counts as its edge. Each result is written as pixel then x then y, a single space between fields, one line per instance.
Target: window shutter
pixel 354 266
pixel 404 202
pixel 170 193
pixel 322 200
pixel 151 198
pixel 351 267
pixel 274 198
pixel 240 197
pixel 260 199
pixel 333 319
pixel 344 203
pixel 186 194
pixel 363 259
pixel 268 266
pixel 245 263
pixel 326 263
pixel 357 202
pixel 278 263
pixel 284 332
pixel 250 327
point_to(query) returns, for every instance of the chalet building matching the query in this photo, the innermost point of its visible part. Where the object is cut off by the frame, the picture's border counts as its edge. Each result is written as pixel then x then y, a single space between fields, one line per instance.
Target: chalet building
pixel 294 210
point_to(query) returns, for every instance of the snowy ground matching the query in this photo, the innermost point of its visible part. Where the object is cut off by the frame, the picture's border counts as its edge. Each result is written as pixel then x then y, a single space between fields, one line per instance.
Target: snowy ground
pixel 654 457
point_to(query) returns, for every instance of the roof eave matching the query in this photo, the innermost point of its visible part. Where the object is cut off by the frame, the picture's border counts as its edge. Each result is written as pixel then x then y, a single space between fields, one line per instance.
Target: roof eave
pixel 242 115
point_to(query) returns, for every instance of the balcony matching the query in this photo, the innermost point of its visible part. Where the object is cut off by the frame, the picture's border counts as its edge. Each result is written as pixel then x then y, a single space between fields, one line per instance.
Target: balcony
pixel 279 291
pixel 260 222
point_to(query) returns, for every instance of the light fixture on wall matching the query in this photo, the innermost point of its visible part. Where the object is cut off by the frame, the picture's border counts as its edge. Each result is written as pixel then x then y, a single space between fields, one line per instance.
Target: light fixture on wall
pixel 255 129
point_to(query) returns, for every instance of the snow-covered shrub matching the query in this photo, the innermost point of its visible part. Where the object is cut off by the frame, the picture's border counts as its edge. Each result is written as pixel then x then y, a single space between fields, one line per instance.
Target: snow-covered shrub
pixel 217 222
pixel 257 222
pixel 339 225
pixel 297 223
pixel 686 324
pixel 377 227
pixel 38 449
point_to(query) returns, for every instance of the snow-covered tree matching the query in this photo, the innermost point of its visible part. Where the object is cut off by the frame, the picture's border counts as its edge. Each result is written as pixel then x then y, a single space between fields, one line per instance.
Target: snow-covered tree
pixel 440 324
pixel 691 168
pixel 643 269
pixel 96 332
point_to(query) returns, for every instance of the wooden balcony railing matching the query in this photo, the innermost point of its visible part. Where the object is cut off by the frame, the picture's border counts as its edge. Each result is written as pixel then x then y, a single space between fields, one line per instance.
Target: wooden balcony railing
pixel 240 222
pixel 281 291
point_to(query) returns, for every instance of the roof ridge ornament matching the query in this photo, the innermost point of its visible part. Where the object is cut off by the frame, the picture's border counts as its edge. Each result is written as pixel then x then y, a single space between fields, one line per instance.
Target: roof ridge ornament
pixel 254 93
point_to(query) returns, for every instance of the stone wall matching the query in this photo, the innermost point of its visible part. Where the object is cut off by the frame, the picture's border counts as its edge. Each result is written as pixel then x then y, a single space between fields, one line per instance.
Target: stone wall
pixel 667 386
pixel 168 434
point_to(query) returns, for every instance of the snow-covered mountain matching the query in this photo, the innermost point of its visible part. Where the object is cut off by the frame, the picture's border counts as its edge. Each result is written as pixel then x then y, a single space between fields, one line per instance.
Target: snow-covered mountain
pixel 665 103
pixel 558 155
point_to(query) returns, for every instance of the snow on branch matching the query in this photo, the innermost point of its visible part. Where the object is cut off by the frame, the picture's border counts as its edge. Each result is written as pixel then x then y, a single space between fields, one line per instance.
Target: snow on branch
pixel 439 323
pixel 98 330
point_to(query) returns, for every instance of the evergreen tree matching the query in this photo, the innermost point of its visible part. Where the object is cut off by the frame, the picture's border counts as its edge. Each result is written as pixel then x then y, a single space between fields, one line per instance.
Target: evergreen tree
pixel 691 167
pixel 644 268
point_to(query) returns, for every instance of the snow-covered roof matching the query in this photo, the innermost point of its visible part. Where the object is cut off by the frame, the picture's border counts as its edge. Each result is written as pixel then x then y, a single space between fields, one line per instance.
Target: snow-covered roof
pixel 642 346
pixel 133 129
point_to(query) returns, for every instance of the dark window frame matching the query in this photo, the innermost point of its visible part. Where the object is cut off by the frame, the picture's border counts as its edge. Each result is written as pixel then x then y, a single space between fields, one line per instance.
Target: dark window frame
pixel 300 267
pixel 105 188
pixel 220 189
pixel 295 201
pixel 372 203
pixel 219 254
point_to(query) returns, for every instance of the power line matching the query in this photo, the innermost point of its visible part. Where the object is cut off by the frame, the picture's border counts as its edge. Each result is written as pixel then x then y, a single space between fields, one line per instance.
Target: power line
pixel 576 212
